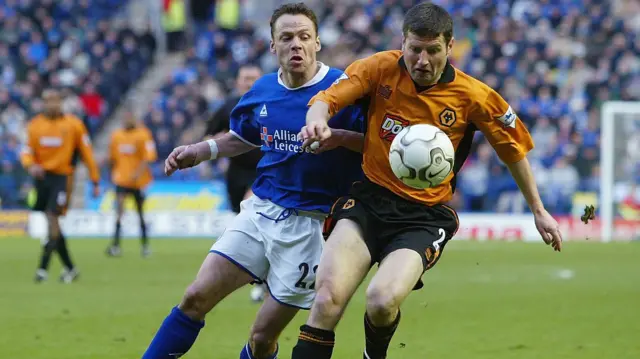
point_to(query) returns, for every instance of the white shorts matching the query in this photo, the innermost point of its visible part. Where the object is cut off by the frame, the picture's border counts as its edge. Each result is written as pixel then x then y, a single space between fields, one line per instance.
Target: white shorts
pixel 276 246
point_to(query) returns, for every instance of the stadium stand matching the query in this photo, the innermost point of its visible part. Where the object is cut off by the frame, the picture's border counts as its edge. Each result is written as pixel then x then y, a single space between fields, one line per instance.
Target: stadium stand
pixel 68 44
pixel 554 61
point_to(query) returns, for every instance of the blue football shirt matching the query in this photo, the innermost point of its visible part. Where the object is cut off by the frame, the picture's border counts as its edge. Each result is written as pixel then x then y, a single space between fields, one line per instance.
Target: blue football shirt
pixel 270 116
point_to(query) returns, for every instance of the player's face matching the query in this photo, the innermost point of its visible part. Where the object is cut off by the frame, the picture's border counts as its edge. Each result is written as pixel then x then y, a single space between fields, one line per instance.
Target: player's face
pixel 246 77
pixel 425 57
pixel 295 42
pixel 52 103
pixel 130 120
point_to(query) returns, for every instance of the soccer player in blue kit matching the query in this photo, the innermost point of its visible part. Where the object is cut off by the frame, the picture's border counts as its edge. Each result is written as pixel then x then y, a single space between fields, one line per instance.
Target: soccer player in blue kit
pixel 277 236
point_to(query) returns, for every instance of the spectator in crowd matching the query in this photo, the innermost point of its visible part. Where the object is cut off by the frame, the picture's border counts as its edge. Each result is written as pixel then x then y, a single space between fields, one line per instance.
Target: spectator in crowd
pixel 13 120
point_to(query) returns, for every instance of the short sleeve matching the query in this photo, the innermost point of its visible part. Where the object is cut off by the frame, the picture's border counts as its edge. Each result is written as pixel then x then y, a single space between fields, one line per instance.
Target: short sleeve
pixel 150 152
pixel 113 146
pixel 357 81
pixel 243 123
pixel 502 128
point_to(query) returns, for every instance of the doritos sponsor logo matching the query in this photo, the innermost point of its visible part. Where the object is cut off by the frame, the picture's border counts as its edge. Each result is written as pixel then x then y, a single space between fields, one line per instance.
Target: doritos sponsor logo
pixel 391 126
pixel 508 119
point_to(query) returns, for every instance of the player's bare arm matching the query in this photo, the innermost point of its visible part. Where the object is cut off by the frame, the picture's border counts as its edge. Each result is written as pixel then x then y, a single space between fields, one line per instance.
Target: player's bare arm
pixel 316 128
pixel 545 223
pixel 86 152
pixel 140 170
pixel 27 157
pixel 228 145
pixel 350 140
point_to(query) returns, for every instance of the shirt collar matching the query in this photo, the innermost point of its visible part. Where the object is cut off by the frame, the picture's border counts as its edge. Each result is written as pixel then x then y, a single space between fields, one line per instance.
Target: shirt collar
pixel 448 74
pixel 324 70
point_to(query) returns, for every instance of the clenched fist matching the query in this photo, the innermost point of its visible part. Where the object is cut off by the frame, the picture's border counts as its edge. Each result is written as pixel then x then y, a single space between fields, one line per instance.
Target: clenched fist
pixel 180 158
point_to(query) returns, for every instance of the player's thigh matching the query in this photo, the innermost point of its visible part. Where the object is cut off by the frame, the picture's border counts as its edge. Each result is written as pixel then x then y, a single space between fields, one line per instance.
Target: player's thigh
pixel 421 247
pixel 295 247
pixel 235 259
pixel 242 243
pixel 42 196
pixel 57 196
pixel 217 278
pixel 346 259
pixel 349 249
pixel 396 277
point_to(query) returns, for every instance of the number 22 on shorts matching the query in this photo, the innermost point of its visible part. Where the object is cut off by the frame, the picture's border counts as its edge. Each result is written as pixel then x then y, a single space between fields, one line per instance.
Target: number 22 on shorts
pixel 304 268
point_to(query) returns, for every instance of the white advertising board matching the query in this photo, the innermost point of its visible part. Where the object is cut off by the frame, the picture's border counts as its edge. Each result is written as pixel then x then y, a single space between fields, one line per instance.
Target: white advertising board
pixel 211 224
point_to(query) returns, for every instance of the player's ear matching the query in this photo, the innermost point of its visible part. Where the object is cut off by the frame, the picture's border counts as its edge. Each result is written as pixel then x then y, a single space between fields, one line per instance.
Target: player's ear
pixel 318 44
pixel 450 46
pixel 272 47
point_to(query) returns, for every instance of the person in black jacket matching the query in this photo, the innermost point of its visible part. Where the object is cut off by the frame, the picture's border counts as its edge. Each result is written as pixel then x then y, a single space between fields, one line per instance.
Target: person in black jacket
pixel 242 169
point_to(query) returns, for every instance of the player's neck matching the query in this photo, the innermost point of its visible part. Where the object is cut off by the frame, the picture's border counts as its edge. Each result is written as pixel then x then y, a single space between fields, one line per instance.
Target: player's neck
pixel 53 115
pixel 293 80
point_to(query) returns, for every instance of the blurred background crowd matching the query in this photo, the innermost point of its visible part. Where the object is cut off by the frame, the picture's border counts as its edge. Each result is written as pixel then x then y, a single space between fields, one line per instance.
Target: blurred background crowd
pixel 74 45
pixel 555 61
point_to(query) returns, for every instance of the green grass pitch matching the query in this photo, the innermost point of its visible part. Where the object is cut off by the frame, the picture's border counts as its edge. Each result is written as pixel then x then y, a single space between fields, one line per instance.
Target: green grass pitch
pixel 490 300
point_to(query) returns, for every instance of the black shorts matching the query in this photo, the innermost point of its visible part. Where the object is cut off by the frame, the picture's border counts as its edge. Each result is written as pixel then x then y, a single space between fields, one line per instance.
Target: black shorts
pixel 389 223
pixel 135 192
pixel 52 194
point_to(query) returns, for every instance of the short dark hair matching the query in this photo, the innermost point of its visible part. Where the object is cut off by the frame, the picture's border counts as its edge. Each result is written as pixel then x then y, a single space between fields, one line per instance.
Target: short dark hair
pixel 249 65
pixel 294 9
pixel 51 91
pixel 428 20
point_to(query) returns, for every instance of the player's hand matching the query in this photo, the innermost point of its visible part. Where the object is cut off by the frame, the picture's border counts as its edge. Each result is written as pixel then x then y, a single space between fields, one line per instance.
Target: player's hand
pixel 96 190
pixel 314 131
pixel 104 162
pixel 549 230
pixel 135 177
pixel 36 171
pixel 180 158
pixel 331 143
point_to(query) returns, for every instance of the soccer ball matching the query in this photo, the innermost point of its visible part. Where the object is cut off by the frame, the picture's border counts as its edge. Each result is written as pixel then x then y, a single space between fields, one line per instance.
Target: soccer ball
pixel 421 156
pixel 257 293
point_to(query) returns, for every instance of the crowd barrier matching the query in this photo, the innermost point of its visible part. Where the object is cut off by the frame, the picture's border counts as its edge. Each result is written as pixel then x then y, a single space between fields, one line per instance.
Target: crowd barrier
pixel 211 224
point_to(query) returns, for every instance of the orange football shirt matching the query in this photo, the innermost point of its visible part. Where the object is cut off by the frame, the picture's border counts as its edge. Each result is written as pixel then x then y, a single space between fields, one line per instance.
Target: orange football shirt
pixel 53 142
pixel 128 150
pixel 458 104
